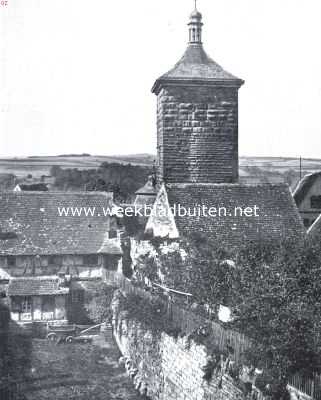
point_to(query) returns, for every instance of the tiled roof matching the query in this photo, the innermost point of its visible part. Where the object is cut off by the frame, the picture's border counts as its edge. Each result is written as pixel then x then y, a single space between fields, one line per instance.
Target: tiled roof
pixel 304 186
pixel 38 229
pixel 146 194
pixel 147 189
pixel 278 215
pixel 35 286
pixel 196 65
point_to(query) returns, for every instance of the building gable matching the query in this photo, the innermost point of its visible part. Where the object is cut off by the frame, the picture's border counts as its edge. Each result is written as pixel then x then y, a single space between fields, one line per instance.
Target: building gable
pixel 161 223
pixel 307 196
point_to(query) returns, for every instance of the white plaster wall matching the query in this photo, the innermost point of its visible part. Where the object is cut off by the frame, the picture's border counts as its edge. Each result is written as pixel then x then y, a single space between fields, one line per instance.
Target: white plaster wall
pixel 37 306
pixel 60 307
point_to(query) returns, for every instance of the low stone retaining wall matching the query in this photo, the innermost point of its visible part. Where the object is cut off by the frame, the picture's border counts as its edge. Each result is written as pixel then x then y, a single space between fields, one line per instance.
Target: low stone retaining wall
pixel 166 368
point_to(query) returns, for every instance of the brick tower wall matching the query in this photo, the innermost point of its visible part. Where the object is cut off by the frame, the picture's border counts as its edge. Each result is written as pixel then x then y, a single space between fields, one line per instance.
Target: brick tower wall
pixel 197 134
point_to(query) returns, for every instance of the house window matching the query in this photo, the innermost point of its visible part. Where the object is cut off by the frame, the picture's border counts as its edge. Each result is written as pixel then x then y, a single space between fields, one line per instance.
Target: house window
pixel 90 259
pixel 11 261
pixel 48 308
pixel 23 307
pixel 111 263
pixel 48 304
pixel 16 304
pixel 55 260
pixel 316 202
pixel 26 305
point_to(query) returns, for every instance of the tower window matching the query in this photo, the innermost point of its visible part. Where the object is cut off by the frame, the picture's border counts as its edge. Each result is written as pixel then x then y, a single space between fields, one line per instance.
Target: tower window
pixel 194 34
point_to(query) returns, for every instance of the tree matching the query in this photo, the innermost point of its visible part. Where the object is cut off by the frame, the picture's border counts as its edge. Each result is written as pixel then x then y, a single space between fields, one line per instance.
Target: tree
pixel 274 290
pixel 55 170
pixel 99 301
pixel 277 303
pixel 291 177
pixel 197 266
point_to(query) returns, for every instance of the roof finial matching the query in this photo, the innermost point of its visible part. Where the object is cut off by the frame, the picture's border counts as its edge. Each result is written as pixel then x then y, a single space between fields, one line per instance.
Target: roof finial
pixel 195 26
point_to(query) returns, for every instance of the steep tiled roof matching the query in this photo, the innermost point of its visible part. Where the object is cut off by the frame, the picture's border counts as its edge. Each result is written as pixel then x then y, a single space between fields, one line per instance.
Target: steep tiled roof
pixel 278 215
pixel 36 286
pixel 197 66
pixel 304 186
pixel 30 224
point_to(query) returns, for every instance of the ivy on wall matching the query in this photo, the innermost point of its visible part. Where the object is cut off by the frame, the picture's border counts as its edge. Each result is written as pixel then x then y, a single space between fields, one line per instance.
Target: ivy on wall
pixel 274 292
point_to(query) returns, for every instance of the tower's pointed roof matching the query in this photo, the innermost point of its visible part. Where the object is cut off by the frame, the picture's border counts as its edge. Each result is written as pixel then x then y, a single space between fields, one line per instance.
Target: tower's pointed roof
pixel 196 66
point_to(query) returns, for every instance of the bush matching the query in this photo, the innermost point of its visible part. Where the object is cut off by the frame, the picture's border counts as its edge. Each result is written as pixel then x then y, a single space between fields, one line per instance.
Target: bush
pixel 99 302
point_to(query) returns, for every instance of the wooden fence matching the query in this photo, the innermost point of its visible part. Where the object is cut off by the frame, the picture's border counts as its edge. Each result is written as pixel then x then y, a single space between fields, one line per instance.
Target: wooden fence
pixel 308 386
pixel 188 321
pixel 9 391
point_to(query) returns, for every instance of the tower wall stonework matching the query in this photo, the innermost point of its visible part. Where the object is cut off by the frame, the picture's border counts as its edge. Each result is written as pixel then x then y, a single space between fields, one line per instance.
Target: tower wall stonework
pixel 197 131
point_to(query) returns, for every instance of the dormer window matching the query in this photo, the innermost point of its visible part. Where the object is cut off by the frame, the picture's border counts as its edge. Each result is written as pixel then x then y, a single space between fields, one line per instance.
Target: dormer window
pixel 316 202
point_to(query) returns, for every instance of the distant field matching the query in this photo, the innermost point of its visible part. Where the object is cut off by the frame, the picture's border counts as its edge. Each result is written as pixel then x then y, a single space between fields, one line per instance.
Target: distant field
pixel 264 167
pixel 38 166
pixel 281 163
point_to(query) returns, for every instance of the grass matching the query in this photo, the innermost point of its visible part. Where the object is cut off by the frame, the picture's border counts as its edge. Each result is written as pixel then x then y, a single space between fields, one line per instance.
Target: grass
pixel 76 371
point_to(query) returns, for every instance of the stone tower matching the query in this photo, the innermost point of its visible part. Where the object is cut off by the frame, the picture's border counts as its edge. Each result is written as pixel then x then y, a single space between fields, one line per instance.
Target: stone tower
pixel 197 117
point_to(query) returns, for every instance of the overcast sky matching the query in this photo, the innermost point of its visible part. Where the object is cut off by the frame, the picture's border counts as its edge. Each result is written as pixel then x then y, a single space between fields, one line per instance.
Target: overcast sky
pixel 76 74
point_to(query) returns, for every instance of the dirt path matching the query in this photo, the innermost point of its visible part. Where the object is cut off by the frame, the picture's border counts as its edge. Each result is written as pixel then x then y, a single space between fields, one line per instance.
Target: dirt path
pixel 77 371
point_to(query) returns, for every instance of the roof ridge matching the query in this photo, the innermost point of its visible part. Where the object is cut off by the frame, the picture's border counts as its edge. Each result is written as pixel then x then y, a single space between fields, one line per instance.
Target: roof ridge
pixel 28 192
pixel 41 278
pixel 210 184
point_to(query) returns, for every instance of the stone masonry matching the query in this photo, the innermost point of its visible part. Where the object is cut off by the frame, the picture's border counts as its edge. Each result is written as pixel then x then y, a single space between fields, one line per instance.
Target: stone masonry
pixel 167 368
pixel 197 117
pixel 198 134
